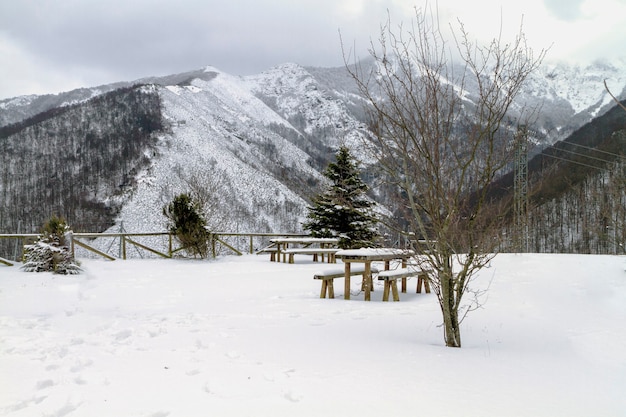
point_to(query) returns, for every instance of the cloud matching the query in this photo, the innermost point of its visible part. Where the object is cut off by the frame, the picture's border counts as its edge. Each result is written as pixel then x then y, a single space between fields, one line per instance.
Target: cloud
pixel 567 10
pixel 50 45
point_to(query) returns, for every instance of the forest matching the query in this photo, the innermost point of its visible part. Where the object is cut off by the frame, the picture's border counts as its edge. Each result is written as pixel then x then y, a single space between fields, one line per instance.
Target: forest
pixel 577 191
pixel 74 161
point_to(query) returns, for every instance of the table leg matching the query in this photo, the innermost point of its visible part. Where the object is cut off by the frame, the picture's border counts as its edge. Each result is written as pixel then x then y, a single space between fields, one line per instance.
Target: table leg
pixel 367 277
pixel 346 288
pixel 404 278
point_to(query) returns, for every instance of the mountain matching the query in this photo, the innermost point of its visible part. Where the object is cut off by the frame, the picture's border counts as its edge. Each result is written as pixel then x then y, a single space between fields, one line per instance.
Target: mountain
pixel 252 146
pixel 569 96
pixel 565 95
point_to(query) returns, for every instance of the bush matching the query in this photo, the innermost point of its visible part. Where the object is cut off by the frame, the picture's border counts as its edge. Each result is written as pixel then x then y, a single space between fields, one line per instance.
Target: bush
pixel 51 252
pixel 187 224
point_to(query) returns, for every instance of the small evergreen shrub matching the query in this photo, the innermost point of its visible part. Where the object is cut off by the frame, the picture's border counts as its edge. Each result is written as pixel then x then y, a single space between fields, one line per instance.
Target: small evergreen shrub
pixel 188 225
pixel 51 252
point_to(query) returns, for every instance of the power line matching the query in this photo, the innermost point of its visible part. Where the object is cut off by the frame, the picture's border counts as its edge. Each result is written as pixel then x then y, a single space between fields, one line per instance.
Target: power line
pixel 592 149
pixel 583 155
pixel 605 161
pixel 574 162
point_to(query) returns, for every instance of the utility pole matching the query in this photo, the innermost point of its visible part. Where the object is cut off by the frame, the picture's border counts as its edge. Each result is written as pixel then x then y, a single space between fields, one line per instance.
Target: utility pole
pixel 520 188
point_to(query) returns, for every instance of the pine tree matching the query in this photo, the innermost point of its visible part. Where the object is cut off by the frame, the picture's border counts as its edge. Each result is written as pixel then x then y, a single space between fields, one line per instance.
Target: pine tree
pixel 188 225
pixel 343 209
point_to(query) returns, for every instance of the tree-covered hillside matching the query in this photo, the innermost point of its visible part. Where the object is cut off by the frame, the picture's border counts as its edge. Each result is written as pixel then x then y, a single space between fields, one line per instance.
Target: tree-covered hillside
pixel 577 191
pixel 72 161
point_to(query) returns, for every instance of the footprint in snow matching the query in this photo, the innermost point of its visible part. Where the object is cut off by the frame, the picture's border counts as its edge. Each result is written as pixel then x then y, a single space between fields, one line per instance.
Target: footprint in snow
pixel 77 341
pixel 160 414
pixel 233 354
pixel 123 335
pixel 44 384
pixel 291 396
pixel 81 364
pixel 66 410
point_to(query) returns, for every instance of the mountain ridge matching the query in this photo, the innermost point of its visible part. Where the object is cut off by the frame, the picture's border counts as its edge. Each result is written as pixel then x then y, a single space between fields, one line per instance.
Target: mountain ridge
pixel 254 146
pixel 571 91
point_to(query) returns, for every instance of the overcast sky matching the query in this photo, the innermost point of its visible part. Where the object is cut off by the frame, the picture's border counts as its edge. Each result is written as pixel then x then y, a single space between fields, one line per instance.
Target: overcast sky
pixel 48 46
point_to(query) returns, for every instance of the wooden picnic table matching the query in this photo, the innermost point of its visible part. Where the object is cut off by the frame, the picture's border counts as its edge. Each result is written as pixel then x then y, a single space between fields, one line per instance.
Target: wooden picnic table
pixel 306 244
pixel 366 256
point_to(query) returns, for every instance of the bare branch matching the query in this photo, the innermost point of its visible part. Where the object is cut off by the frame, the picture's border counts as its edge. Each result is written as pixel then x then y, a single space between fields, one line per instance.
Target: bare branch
pixel 613 97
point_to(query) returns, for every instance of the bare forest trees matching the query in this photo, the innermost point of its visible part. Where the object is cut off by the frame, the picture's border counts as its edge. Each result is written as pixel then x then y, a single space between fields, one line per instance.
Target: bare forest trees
pixel 70 160
pixel 439 147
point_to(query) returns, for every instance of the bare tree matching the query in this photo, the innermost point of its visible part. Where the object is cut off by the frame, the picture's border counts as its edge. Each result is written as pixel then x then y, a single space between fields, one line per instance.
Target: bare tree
pixel 204 186
pixel 440 146
pixel 613 97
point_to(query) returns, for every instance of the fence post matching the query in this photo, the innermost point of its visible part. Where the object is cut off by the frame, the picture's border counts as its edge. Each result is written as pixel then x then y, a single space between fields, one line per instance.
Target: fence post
pixel 17 241
pixel 69 236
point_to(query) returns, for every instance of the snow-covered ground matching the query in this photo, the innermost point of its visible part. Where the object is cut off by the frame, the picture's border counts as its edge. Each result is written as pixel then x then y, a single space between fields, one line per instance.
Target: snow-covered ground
pixel 242 336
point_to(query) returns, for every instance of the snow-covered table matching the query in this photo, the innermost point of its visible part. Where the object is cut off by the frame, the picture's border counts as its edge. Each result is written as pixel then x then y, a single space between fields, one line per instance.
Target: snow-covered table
pixel 307 246
pixel 366 256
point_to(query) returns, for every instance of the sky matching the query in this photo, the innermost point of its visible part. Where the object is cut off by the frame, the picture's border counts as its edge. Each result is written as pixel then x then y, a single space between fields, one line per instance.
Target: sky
pixel 49 46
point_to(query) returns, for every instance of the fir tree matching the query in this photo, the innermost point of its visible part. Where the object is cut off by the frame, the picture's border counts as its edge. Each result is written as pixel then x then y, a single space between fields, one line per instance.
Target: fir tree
pixel 51 252
pixel 343 209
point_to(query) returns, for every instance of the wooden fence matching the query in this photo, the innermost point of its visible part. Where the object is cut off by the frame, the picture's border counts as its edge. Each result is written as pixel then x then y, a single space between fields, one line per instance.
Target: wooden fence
pixel 217 240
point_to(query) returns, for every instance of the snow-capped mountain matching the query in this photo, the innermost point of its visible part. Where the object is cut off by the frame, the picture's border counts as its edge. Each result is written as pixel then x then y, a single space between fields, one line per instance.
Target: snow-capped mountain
pixel 254 145
pixel 568 96
pixel 223 140
pixel 262 141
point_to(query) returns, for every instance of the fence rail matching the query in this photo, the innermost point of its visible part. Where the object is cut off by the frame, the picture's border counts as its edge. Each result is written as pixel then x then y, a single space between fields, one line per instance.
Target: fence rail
pixel 217 241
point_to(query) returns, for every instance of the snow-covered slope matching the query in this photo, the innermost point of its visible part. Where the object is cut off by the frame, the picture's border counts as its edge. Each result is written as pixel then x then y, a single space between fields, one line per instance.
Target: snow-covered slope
pixel 582 87
pixel 321 111
pixel 569 96
pixel 221 143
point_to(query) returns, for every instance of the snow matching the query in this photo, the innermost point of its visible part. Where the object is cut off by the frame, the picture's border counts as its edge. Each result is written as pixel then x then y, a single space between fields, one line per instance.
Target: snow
pixel 307 240
pixel 581 87
pixel 244 336
pixel 372 252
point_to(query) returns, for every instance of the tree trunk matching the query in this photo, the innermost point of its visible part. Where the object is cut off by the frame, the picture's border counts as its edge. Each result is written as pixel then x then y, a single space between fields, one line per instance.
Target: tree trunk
pixel 449 309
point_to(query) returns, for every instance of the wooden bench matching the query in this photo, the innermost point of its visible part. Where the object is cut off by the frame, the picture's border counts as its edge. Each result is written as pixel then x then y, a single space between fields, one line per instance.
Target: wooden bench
pixel 422 277
pixel 271 251
pixel 422 280
pixel 391 280
pixel 328 276
pixel 312 251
